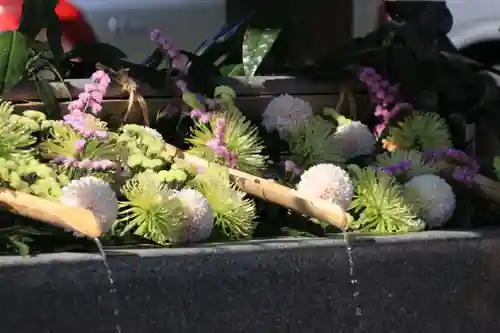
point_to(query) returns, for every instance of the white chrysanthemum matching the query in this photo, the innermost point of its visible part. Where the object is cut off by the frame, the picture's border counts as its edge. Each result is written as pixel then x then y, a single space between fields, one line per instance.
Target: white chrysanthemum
pixel 200 219
pixel 153 132
pixel 328 182
pixel 434 196
pixel 95 195
pixel 355 139
pixel 285 113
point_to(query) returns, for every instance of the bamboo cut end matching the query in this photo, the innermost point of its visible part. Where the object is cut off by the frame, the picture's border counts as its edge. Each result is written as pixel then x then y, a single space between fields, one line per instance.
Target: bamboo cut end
pixel 51 212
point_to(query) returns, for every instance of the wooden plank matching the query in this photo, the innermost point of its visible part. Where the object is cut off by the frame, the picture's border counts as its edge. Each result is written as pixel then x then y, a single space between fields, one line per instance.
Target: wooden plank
pixel 264 85
pixel 252 106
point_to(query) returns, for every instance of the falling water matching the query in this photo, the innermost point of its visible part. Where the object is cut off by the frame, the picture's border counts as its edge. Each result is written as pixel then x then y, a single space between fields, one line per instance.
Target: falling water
pixel 352 277
pixel 112 289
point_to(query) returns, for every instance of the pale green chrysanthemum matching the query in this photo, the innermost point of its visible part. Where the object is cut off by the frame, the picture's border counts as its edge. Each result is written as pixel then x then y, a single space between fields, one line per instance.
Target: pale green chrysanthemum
pixel 434 196
pixel 315 143
pixel 420 131
pixel 380 205
pixel 240 137
pixel 27 174
pixel 418 164
pixel 145 148
pixel 234 214
pixel 151 209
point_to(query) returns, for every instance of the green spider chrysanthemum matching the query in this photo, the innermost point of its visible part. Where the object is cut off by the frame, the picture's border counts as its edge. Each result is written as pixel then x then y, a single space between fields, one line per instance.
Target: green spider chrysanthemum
pixel 234 214
pixel 240 137
pixel 417 163
pixel 151 209
pixel 315 143
pixel 379 204
pixel 15 135
pixel 63 142
pixel 420 131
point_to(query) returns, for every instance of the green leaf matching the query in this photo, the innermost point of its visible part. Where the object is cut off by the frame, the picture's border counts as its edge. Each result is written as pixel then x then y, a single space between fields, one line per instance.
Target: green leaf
pixel 233 70
pixel 14 57
pixel 256 44
pixel 22 247
pixel 48 97
pixel 192 101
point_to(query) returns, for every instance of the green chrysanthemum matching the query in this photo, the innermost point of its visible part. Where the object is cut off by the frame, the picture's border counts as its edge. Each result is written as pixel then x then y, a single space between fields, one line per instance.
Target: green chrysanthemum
pixel 417 163
pixel 240 137
pixel 26 174
pixel 420 131
pixel 315 143
pixel 15 135
pixel 151 210
pixel 234 214
pixel 145 148
pixel 379 204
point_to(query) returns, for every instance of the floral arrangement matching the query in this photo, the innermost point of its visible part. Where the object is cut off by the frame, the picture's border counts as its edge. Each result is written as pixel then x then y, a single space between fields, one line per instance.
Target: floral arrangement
pixel 399 175
pixel 139 190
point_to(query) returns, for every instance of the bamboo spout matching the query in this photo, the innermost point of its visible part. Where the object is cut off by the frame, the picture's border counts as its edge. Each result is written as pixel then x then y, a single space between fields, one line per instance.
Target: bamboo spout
pixel 50 212
pixel 271 191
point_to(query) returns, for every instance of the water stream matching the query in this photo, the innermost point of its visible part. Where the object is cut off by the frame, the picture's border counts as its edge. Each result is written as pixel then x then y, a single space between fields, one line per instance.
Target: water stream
pixel 112 284
pixel 353 279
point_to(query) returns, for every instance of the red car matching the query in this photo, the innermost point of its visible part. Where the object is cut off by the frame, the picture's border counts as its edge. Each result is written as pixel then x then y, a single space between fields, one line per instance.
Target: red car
pixel 74 28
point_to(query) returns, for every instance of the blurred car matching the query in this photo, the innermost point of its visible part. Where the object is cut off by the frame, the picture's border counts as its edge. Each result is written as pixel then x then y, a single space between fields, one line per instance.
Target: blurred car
pixel 476 29
pixel 126 24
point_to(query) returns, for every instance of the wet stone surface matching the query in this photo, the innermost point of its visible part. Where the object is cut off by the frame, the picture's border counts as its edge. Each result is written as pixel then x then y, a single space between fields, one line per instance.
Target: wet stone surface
pixel 431 282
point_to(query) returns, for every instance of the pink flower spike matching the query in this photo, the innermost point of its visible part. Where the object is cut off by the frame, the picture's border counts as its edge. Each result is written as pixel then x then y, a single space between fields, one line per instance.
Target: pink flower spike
pixel 214 144
pixel 204 118
pixel 104 82
pixel 182 85
pixel 98 75
pixel 96 96
pixel 379 129
pixel 180 62
pixel 96 107
pixel 155 35
pixel 220 124
pixel 195 113
pixel 91 87
pixel 381 111
pixel 84 97
pixel 80 144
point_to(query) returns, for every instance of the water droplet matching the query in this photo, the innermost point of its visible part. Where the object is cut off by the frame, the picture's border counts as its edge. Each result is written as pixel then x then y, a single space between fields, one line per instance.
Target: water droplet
pixel 352 275
pixel 112 289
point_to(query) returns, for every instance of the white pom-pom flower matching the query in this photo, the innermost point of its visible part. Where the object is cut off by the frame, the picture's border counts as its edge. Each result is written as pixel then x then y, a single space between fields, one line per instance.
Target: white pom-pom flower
pixel 434 196
pixel 355 139
pixel 95 195
pixel 328 182
pixel 199 214
pixel 285 113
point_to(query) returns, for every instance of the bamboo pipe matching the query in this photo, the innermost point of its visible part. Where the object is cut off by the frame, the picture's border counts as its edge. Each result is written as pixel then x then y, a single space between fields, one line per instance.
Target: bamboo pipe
pixel 487 187
pixel 271 191
pixel 51 212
